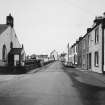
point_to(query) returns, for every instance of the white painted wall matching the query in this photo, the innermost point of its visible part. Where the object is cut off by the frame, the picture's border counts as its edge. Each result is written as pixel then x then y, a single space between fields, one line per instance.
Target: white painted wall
pixel 14 39
pixel 96 47
pixel 5 38
pixel 72 54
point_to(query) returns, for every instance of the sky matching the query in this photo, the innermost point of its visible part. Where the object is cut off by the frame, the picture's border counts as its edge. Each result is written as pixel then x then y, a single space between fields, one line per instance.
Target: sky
pixel 46 25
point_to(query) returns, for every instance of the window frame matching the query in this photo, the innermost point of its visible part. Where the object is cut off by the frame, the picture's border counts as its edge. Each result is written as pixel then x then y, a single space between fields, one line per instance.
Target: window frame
pixel 96 59
pixel 97 35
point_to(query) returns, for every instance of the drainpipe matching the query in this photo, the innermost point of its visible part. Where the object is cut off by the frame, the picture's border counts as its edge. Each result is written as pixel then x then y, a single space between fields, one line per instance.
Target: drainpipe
pixel 68 51
pixel 103 27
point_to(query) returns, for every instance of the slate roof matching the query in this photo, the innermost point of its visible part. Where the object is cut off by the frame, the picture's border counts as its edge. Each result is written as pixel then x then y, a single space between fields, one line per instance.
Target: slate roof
pixel 3 27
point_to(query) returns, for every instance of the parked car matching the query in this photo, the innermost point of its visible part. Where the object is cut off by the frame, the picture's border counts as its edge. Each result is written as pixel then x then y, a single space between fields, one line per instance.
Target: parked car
pixel 68 64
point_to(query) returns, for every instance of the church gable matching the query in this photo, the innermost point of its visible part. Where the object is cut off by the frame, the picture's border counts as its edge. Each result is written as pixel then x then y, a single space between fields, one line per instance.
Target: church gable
pixel 10 46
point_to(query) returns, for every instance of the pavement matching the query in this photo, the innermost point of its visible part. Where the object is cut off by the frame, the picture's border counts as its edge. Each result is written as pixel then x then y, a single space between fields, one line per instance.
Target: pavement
pixel 90 77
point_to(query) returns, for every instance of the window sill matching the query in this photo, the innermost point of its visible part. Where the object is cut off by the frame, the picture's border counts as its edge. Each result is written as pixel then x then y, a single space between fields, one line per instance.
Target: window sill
pixel 96 65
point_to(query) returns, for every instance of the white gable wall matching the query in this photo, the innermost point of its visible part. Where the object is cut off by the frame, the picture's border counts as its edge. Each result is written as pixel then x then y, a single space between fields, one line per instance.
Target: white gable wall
pixel 5 38
pixel 14 39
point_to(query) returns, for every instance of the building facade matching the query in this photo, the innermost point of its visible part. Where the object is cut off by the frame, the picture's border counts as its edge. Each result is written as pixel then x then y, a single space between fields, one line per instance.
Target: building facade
pixel 79 52
pixel 91 47
pixel 95 48
pixel 11 51
pixel 73 55
pixel 85 50
pixel 54 55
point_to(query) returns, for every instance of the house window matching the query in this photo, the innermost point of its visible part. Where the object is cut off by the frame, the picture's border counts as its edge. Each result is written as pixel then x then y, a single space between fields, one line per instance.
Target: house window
pixel 4 53
pixel 90 40
pixel 83 43
pixel 96 35
pixel 96 59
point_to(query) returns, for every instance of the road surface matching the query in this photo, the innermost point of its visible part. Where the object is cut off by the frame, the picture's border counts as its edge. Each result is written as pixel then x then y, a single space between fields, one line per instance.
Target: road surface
pixel 50 86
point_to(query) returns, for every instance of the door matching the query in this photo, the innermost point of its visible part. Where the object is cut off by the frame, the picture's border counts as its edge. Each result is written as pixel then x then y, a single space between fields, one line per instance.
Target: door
pixel 90 60
pixel 87 61
pixel 10 59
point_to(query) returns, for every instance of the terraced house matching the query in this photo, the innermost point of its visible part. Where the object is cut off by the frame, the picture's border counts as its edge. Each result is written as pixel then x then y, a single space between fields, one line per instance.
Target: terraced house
pixel 96 45
pixel 91 47
pixel 85 52
pixel 73 54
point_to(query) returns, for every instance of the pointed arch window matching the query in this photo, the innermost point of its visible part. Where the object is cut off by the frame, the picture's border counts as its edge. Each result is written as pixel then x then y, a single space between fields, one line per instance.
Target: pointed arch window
pixel 4 53
pixel 11 45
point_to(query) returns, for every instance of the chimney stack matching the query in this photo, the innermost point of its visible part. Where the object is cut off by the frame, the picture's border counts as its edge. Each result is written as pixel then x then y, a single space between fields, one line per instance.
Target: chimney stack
pixel 10 20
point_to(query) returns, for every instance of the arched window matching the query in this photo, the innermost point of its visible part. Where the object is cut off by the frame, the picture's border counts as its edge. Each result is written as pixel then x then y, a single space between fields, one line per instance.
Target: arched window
pixel 4 53
pixel 11 45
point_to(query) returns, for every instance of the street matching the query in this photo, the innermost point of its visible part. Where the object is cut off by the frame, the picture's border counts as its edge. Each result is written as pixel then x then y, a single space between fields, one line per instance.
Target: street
pixel 52 85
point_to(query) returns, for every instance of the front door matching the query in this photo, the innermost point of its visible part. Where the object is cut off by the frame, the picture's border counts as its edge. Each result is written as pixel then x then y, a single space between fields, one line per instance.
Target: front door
pixel 10 59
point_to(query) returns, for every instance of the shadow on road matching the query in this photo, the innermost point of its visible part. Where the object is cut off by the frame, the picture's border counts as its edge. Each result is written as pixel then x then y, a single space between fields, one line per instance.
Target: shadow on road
pixel 89 95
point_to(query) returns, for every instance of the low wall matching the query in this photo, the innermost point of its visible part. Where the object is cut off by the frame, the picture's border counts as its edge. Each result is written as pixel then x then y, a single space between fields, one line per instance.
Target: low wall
pixel 21 69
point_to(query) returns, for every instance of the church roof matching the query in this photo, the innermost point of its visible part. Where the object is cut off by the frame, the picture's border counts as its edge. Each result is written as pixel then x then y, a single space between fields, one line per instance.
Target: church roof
pixel 3 27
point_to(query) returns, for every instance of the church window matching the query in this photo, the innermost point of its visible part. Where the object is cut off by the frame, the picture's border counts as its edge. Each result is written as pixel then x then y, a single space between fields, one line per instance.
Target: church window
pixel 11 45
pixel 4 53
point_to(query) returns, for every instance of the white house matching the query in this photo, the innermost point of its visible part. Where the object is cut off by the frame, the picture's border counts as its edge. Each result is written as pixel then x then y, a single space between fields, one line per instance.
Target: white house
pixel 54 55
pixel 95 47
pixel 73 54
pixel 11 51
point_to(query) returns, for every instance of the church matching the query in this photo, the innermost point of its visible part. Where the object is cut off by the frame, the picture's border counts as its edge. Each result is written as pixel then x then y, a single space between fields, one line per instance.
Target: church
pixel 11 51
